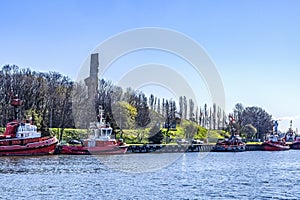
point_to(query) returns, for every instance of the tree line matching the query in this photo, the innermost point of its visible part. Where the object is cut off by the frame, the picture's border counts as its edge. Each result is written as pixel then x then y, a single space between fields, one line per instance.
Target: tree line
pixel 46 96
pixel 56 101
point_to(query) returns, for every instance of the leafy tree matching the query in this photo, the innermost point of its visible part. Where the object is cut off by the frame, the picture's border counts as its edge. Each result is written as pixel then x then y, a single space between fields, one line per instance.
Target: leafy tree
pixel 249 131
pixel 79 110
pixel 155 135
pixel 190 130
pixel 238 113
pixel 201 133
pixel 142 118
pixel 260 119
pixel 116 94
pixel 255 116
pixel 124 115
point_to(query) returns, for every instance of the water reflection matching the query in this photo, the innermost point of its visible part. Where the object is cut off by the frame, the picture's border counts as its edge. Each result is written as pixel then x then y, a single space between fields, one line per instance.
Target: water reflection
pixel 139 163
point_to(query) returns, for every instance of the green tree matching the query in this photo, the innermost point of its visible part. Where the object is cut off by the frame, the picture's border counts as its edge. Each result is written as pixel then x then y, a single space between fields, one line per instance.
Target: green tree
pixel 238 113
pixel 155 135
pixel 260 119
pixel 124 115
pixel 255 116
pixel 249 131
pixel 143 114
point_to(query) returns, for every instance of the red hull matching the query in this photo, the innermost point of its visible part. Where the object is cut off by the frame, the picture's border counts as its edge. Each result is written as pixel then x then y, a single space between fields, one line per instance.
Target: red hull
pixel 82 150
pixel 34 146
pixel 269 146
pixel 229 148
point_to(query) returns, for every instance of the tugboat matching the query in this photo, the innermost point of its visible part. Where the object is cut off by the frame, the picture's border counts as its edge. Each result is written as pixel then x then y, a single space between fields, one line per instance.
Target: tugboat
pixel 274 142
pixel 232 144
pixel 22 138
pixel 296 143
pixel 100 141
pixel 290 134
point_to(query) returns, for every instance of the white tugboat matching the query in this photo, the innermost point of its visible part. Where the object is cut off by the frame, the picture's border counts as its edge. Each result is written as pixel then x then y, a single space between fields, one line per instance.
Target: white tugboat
pixel 100 141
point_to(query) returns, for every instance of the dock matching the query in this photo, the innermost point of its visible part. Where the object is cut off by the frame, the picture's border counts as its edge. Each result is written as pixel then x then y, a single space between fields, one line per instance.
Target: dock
pixel 175 148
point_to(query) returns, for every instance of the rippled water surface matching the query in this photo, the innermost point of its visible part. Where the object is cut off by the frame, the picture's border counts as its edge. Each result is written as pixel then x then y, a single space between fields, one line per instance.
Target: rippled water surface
pixel 244 175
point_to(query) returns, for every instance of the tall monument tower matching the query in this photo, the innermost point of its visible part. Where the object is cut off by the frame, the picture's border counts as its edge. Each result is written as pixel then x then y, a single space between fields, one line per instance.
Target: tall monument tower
pixel 92 83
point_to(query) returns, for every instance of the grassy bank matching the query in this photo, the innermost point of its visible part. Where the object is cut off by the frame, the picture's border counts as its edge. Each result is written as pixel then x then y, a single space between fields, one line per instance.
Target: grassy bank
pixel 141 136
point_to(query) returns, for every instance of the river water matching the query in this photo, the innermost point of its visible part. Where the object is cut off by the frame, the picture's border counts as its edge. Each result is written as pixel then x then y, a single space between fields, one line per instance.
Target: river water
pixel 244 175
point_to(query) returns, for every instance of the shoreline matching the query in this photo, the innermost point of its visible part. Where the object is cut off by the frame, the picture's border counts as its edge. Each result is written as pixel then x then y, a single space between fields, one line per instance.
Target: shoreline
pixel 163 148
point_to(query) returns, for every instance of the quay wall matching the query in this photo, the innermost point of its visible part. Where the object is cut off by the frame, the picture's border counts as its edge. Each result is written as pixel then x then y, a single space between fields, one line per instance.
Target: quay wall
pixel 173 148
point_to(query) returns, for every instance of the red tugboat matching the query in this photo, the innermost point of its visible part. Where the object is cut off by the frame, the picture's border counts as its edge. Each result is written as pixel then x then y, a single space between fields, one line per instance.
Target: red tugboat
pixel 274 142
pixel 233 144
pixel 23 139
pixel 296 143
pixel 294 137
pixel 100 141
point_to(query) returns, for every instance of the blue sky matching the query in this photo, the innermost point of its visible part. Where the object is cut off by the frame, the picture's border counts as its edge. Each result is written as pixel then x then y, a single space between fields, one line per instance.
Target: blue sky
pixel 254 44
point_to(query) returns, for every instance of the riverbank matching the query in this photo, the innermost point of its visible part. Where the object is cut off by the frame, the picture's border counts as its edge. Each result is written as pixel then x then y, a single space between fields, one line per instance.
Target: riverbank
pixel 175 148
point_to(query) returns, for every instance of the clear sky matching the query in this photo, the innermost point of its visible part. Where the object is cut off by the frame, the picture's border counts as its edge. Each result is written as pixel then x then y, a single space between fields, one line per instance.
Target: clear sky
pixel 254 44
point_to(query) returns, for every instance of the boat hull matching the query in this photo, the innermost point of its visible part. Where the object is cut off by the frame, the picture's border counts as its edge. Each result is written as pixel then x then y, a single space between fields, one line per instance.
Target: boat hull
pixel 295 145
pixel 269 146
pixel 229 148
pixel 82 150
pixel 40 146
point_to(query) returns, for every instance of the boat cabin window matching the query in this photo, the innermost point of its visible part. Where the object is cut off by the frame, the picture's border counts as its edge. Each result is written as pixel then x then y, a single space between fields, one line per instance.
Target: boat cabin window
pixel 27 127
pixel 105 132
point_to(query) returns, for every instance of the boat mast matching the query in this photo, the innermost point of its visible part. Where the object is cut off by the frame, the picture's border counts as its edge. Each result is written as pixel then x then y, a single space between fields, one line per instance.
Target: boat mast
pixel 275 127
pixel 232 129
pixel 291 125
pixel 100 116
pixel 16 103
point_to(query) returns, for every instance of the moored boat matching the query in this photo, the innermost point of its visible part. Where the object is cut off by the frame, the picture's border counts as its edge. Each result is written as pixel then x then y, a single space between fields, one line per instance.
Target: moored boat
pixel 232 144
pixel 296 143
pixel 22 138
pixel 290 134
pixel 100 141
pixel 274 142
pixel 292 137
